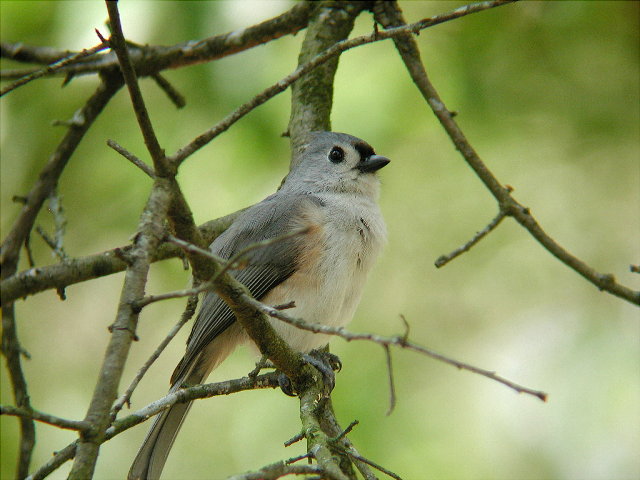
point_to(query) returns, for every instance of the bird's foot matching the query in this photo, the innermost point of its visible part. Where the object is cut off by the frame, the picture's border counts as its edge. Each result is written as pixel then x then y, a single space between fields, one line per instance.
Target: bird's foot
pixel 325 362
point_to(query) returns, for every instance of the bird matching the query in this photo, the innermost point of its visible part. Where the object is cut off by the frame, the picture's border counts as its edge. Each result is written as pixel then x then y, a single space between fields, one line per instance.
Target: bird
pixel 331 195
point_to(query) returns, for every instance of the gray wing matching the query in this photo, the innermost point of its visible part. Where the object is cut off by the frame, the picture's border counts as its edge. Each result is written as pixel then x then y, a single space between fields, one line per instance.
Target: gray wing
pixel 264 267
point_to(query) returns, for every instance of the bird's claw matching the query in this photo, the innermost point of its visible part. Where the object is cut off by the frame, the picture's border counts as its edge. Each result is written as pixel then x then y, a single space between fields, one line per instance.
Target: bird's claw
pixel 325 362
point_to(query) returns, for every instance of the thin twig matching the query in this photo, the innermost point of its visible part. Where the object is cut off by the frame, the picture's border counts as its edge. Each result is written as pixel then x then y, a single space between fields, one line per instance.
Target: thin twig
pixel 51 243
pixel 60 223
pixel 44 418
pixel 444 259
pixel 119 45
pixel 184 318
pixel 238 256
pixel 295 439
pixel 373 464
pixel 132 158
pixel 346 431
pixel 233 263
pixel 53 67
pixel 281 469
pixel 392 388
pixel 226 265
pixel 174 95
pixel 398 341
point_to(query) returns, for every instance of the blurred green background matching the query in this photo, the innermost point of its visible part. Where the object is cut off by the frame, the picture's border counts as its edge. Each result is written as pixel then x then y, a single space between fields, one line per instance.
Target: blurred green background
pixel 547 92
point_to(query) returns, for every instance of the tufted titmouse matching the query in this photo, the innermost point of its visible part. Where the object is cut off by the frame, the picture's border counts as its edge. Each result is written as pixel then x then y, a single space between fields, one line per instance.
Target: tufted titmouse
pixel 331 194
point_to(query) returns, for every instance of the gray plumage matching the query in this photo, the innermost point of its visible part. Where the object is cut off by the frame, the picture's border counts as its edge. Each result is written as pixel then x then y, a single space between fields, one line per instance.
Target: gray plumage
pixel 332 192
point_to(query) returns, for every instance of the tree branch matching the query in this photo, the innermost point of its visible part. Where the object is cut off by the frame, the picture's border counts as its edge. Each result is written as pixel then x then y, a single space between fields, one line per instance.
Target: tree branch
pixel 398 341
pixel 151 60
pixel 337 48
pixel 44 418
pixel 184 318
pixel 118 44
pixel 312 95
pixel 10 249
pixel 53 67
pixel 48 179
pixel 12 352
pixel 81 269
pixel 390 15
pixel 269 380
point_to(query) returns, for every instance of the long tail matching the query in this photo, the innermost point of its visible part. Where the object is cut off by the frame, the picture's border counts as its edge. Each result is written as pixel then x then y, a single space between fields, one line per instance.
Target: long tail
pixel 153 453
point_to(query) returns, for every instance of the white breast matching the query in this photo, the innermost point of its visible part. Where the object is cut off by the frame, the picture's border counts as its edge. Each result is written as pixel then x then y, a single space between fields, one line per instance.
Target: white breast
pixel 329 292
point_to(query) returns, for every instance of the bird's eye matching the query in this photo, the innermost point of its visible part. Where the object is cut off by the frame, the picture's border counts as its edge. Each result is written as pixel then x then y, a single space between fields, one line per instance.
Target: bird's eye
pixel 336 155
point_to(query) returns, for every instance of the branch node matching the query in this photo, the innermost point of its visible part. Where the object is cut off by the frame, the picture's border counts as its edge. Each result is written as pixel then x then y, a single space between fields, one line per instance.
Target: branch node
pixel 296 438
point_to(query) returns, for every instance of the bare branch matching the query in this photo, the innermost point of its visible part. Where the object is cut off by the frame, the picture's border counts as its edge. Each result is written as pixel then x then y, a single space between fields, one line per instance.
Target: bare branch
pixel 184 318
pixel 225 265
pixel 119 45
pixel 319 59
pixel 132 158
pixel 269 380
pixel 50 174
pixel 12 351
pixel 44 418
pixel 77 270
pixel 54 67
pixel 444 259
pixel 174 95
pixel 398 341
pixel 280 469
pixel 373 464
pixel 389 15
pixel 153 59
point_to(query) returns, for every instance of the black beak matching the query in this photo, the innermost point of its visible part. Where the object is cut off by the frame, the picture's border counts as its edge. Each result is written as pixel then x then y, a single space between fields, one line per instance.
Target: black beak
pixel 372 163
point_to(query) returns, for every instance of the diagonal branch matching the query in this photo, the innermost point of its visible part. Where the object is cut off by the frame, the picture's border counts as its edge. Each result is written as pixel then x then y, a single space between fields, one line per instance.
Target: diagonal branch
pixel 390 15
pixel 337 48
pixel 119 45
pixel 48 179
